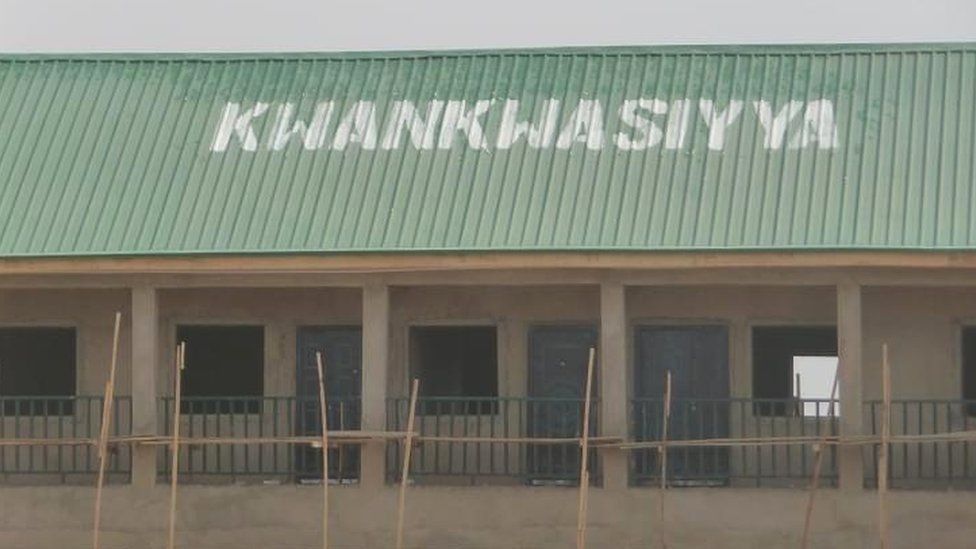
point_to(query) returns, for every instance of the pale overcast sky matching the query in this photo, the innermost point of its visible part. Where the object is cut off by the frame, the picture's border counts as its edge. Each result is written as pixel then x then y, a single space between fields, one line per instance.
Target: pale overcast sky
pixel 335 25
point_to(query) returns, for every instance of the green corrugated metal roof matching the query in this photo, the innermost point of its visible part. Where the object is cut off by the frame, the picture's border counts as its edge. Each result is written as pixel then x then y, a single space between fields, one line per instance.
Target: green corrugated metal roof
pixel 780 148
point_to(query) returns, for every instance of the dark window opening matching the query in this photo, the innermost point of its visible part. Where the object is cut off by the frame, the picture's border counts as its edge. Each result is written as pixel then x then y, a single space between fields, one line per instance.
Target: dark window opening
pixel 37 362
pixel 459 362
pixel 224 369
pixel 969 368
pixel 776 352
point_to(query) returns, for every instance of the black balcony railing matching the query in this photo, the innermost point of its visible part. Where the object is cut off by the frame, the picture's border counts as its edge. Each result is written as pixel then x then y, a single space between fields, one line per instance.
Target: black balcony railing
pixel 924 464
pixel 735 465
pixel 506 460
pixel 63 418
pixel 259 417
pixel 471 458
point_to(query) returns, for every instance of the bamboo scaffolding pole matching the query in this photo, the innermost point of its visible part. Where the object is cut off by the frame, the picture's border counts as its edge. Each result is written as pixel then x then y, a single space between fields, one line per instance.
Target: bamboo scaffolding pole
pixel 336 438
pixel 407 450
pixel 323 411
pixel 862 440
pixel 175 446
pixel 663 455
pixel 584 482
pixel 103 433
pixel 883 532
pixel 542 441
pixel 818 451
pixel 340 438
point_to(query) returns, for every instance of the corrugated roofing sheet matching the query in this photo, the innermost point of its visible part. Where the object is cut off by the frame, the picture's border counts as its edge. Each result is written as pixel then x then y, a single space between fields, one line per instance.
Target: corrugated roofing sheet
pixel 603 149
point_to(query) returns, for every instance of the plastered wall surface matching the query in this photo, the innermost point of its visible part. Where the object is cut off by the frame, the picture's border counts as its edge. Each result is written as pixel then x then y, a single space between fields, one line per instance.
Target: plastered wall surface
pixel 489 518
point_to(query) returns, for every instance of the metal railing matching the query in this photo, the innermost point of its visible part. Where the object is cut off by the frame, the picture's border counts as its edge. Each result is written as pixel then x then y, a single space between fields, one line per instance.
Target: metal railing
pixel 259 417
pixel 931 464
pixel 76 417
pixel 493 462
pixel 769 465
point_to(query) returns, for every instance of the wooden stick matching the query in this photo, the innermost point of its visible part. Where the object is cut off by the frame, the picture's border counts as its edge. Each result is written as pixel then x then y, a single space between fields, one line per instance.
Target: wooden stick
pixel 663 452
pixel 407 449
pixel 818 452
pixel 325 451
pixel 883 533
pixel 103 432
pixel 342 438
pixel 175 443
pixel 584 482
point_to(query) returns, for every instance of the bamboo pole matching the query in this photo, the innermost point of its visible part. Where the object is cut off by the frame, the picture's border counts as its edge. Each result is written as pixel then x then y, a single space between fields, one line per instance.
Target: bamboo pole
pixel 663 453
pixel 175 443
pixel 325 450
pixel 584 482
pixel 103 432
pixel 883 532
pixel 407 450
pixel 818 451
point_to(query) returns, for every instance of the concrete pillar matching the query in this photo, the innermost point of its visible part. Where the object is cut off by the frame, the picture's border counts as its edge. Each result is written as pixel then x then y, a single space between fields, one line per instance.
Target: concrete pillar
pixel 145 332
pixel 614 396
pixel 849 342
pixel 376 355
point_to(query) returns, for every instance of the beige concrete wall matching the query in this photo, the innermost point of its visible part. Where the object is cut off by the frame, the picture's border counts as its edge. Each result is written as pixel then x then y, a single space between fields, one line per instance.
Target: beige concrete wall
pixel 488 518
pixel 922 328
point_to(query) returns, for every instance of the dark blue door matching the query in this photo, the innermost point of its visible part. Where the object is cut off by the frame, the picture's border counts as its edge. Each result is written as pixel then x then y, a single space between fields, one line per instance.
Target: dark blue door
pixel 558 357
pixel 697 357
pixel 341 349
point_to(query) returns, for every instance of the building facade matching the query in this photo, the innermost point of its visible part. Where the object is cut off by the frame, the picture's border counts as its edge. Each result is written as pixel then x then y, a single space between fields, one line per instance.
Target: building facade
pixel 757 221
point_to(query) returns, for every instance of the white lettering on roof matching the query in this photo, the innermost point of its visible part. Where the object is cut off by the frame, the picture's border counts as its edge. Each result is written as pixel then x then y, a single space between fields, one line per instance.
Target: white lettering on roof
pixel 631 124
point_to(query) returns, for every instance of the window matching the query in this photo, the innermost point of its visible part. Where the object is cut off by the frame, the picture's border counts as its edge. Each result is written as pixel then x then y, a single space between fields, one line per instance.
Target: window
pixel 779 353
pixel 455 361
pixel 813 381
pixel 969 368
pixel 37 362
pixel 222 361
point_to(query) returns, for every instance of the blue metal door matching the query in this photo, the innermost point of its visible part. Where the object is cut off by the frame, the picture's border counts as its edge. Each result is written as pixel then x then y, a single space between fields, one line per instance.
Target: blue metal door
pixel 697 357
pixel 341 349
pixel 558 357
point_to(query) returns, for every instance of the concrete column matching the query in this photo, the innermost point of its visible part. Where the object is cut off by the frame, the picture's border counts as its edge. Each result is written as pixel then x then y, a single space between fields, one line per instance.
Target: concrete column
pixel 145 331
pixel 849 342
pixel 376 357
pixel 613 381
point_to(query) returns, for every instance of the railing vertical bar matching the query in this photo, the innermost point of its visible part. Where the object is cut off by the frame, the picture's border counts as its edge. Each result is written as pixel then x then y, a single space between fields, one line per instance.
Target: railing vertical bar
pixel 965 444
pixel 479 447
pixel 715 431
pixel 18 433
pixel 61 420
pixel 789 448
pixel 262 403
pixel 935 445
pixel 904 447
pixel 45 418
pixel 3 434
